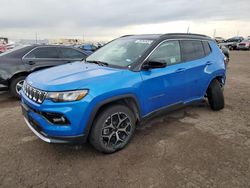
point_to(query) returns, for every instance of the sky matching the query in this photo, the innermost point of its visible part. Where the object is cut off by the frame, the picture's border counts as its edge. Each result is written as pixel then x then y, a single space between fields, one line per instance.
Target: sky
pixel 103 20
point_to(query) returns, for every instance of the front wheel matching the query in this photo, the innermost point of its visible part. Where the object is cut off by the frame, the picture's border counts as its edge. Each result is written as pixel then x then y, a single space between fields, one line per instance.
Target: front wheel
pixel 215 95
pixel 16 86
pixel 112 129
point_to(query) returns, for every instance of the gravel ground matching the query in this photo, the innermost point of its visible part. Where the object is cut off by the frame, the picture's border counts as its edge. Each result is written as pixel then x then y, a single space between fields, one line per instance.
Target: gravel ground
pixel 192 147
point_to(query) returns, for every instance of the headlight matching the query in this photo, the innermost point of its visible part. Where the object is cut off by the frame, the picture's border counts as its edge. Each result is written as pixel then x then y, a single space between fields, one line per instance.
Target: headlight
pixel 67 96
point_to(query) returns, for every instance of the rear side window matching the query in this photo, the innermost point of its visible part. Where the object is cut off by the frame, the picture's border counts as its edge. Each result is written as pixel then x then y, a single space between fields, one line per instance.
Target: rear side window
pixel 70 53
pixel 17 52
pixel 44 52
pixel 191 50
pixel 207 48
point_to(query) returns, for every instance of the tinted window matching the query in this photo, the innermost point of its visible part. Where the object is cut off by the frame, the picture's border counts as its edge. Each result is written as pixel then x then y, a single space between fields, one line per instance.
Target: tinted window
pixel 17 52
pixel 44 52
pixel 234 40
pixel 207 48
pixel 71 53
pixel 191 50
pixel 168 52
pixel 89 47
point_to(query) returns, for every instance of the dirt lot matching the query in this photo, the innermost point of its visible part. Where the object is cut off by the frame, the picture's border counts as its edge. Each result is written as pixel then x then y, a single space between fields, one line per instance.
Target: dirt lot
pixel 193 147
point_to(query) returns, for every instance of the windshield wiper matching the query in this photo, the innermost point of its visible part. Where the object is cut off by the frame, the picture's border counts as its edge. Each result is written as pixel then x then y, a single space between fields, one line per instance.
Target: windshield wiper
pixel 100 63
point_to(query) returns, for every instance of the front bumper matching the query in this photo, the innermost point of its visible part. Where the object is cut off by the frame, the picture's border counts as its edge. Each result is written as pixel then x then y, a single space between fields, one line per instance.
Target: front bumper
pixel 76 112
pixel 242 47
pixel 56 140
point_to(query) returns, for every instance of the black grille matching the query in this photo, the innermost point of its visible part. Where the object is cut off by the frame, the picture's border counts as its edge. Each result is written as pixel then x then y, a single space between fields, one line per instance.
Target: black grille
pixel 34 94
pixel 242 44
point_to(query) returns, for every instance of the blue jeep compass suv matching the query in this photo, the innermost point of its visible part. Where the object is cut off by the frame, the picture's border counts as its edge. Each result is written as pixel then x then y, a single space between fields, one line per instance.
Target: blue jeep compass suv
pixel 103 98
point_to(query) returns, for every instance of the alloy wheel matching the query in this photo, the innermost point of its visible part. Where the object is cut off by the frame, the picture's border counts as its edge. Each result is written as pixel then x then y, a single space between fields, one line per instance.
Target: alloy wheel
pixel 116 130
pixel 19 86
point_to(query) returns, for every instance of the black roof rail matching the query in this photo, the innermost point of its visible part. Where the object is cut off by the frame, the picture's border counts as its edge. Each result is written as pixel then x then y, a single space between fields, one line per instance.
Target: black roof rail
pixel 186 34
pixel 126 36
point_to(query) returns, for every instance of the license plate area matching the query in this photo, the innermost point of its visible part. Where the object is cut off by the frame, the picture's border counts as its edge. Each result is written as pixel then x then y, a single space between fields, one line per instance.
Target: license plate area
pixel 33 123
pixel 25 111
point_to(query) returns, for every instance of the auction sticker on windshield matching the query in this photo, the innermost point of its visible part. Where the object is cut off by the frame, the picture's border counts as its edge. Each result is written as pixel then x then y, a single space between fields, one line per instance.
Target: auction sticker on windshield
pixel 144 41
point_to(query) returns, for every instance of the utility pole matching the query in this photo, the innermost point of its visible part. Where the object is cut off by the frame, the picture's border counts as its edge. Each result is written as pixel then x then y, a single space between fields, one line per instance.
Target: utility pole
pixel 82 37
pixel 188 29
pixel 214 35
pixel 36 37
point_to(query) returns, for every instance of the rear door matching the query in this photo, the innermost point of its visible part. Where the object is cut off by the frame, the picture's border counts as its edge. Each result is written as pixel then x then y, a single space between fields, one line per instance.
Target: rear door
pixel 42 57
pixel 197 60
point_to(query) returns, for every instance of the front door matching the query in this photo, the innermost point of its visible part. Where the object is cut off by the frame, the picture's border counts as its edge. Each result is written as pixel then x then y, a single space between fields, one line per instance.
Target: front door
pixel 163 87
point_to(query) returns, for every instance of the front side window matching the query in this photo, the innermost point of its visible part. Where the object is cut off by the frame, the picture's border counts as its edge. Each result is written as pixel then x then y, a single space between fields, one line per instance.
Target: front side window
pixel 43 52
pixel 121 52
pixel 168 52
pixel 69 53
pixel 192 50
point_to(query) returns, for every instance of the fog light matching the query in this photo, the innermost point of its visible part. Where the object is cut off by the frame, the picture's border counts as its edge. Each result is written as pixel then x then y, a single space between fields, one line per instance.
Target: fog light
pixel 59 120
pixel 56 118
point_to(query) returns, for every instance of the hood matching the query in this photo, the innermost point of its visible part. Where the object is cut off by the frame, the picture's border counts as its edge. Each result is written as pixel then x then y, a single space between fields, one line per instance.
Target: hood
pixel 71 76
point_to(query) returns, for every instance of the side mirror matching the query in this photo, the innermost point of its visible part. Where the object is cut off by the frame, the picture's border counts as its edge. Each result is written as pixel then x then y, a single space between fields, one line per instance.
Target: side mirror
pixel 153 65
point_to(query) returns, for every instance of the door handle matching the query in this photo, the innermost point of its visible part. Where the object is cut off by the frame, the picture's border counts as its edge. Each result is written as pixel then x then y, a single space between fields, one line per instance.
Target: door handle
pixel 180 70
pixel 31 62
pixel 209 63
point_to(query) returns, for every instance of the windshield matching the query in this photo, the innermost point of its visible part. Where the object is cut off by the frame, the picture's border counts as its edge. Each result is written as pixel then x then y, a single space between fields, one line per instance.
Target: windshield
pixel 121 52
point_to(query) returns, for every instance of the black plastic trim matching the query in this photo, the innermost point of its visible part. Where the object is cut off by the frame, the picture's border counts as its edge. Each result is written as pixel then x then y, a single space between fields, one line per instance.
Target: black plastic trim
pixel 109 100
pixel 162 111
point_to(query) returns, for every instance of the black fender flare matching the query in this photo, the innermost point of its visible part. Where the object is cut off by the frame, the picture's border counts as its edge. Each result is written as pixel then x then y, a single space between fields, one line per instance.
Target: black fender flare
pixel 107 101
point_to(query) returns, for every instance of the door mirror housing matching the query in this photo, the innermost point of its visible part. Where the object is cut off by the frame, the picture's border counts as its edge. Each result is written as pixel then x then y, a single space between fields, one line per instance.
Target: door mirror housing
pixel 152 64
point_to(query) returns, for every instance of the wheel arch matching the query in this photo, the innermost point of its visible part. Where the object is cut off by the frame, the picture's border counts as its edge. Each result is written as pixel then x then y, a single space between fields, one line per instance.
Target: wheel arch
pixel 128 99
pixel 220 78
pixel 16 75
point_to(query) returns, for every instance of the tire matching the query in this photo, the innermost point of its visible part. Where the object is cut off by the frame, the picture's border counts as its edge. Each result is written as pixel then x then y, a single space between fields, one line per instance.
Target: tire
pixel 105 132
pixel 215 95
pixel 14 86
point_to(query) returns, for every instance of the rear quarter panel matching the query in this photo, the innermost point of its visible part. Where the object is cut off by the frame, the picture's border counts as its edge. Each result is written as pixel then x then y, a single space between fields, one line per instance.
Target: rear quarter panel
pixel 9 67
pixel 218 68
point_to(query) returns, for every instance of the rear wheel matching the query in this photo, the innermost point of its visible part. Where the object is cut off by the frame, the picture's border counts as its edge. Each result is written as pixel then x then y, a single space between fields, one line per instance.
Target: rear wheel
pixel 16 86
pixel 215 95
pixel 113 129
